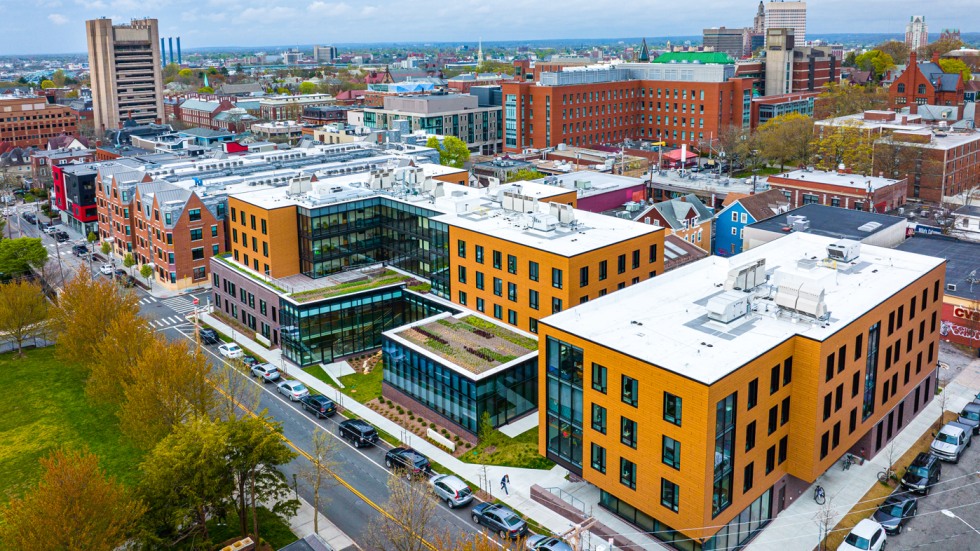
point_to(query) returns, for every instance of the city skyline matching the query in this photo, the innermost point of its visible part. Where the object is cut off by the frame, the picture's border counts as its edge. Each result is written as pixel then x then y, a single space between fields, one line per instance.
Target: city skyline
pixel 57 26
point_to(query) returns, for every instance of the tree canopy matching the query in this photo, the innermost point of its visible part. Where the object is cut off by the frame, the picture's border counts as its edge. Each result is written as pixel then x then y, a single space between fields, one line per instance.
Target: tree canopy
pixel 452 151
pixel 786 139
pixel 898 50
pixel 307 88
pixel 74 506
pixel 844 145
pixel 950 65
pixel 18 256
pixel 876 61
pixel 838 100
pixel 45 84
pixel 23 312
pixel 526 174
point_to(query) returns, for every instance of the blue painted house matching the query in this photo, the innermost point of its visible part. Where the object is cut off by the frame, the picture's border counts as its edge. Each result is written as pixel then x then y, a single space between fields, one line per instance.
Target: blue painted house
pixel 741 212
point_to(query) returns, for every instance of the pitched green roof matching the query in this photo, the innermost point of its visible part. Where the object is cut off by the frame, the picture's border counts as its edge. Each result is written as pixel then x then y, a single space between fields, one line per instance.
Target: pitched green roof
pixel 694 57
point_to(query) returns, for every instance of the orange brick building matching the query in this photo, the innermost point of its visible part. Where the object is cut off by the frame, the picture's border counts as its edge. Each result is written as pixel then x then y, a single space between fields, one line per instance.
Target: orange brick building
pixel 849 191
pixel 602 106
pixel 926 83
pixel 694 401
pixel 32 121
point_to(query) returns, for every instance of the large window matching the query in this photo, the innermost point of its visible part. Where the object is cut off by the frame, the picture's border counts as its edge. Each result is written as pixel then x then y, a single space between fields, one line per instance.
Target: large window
pixel 630 390
pixel 669 494
pixel 871 371
pixel 557 279
pixel 598 458
pixel 627 432
pixel 672 408
pixel 532 270
pixel 564 403
pixel 599 378
pixel 671 455
pixel 599 418
pixel 197 235
pixel 627 473
pixel 724 453
pixel 512 264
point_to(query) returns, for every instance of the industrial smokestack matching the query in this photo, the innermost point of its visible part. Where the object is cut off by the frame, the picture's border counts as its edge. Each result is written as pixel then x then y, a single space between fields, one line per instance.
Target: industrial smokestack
pixel 163 52
pixel 180 59
pixel 171 40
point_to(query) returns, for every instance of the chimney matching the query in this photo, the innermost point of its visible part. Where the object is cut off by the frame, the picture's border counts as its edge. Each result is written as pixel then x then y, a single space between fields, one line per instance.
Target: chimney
pixel 935 57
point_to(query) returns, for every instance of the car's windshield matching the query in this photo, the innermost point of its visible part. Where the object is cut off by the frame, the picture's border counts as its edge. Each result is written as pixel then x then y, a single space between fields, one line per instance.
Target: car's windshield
pixel 947 438
pixel 892 510
pixel 919 471
pixel 971 415
pixel 298 388
pixel 857 541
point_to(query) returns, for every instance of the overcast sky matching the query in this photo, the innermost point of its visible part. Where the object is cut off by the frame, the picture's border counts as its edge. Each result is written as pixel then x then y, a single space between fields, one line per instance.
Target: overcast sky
pixel 58 26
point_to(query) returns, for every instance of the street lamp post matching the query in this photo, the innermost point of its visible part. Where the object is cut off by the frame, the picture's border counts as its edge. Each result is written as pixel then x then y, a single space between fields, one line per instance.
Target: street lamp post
pixel 951 514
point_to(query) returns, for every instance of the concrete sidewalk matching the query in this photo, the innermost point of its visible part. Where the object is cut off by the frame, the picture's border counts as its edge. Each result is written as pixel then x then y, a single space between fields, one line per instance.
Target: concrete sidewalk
pixel 302 525
pixel 796 527
pixel 486 477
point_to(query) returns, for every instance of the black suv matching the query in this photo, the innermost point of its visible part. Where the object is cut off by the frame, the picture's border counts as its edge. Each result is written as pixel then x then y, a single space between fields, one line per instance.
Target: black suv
pixel 922 474
pixel 209 336
pixel 318 405
pixel 79 250
pixel 359 432
pixel 408 460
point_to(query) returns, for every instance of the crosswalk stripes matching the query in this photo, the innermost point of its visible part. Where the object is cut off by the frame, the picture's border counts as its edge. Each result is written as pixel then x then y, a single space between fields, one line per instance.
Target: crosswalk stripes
pixel 180 305
pixel 148 300
pixel 164 322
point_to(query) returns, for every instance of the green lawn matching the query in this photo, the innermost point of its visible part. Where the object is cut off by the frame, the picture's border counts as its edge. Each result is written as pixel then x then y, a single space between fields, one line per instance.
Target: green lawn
pixel 509 452
pixel 271 528
pixel 363 388
pixel 46 408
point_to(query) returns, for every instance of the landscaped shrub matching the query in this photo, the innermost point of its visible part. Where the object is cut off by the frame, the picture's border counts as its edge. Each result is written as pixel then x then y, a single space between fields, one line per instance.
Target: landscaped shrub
pixel 400 410
pixel 432 425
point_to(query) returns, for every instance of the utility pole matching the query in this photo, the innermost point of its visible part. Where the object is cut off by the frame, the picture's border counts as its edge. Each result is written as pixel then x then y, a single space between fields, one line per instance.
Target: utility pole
pixel 197 325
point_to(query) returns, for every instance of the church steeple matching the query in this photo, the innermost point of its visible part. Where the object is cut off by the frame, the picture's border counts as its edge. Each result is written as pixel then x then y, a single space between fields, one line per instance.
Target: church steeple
pixel 644 53
pixel 479 53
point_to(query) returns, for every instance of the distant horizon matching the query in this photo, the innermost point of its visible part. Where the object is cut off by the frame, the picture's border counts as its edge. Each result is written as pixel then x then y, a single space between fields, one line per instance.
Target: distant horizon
pixel 565 42
pixel 57 27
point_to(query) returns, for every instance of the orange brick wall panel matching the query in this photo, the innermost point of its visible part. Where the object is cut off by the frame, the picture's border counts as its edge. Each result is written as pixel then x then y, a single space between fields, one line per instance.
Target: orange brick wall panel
pixel 282 236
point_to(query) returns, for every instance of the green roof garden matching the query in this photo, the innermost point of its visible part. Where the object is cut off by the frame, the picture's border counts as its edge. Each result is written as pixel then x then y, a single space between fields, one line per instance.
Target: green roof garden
pixel 695 57
pixel 472 343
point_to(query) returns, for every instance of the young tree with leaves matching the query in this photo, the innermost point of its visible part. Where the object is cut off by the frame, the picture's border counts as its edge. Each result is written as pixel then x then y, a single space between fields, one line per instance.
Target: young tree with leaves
pixel 844 144
pixel 256 451
pixel 170 384
pixel 525 174
pixel 18 256
pixel 126 339
pixel 452 151
pixel 146 271
pixel 786 139
pixel 838 100
pixel 86 308
pixel 23 312
pixel 735 143
pixel 129 262
pixel 74 506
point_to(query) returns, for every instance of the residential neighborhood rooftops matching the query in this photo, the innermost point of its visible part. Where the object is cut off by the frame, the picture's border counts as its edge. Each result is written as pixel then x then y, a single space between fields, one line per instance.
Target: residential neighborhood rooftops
pixel 834 222
pixel 668 321
pixel 962 261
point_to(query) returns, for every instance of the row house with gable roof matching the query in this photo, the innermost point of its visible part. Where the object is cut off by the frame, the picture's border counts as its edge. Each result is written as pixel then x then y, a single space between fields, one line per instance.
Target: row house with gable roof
pixel 926 83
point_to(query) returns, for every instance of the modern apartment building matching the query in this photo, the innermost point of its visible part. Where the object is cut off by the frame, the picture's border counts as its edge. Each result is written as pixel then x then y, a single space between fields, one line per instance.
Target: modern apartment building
pixel 681 98
pixel 729 41
pixel 702 402
pixel 125 65
pixel 458 115
pixel 787 15
pixel 32 121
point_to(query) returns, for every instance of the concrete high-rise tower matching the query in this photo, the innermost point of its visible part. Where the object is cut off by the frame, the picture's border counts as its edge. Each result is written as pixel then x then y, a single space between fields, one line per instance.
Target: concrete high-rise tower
pixel 127 82
pixel 787 15
pixel 916 32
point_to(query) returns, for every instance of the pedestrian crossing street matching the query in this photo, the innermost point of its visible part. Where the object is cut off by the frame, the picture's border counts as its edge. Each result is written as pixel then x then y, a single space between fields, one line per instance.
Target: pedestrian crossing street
pixel 181 305
pixel 165 322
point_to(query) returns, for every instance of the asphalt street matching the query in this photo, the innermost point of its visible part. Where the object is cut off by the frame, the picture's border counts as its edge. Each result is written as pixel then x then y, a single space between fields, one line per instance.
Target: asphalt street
pixel 362 468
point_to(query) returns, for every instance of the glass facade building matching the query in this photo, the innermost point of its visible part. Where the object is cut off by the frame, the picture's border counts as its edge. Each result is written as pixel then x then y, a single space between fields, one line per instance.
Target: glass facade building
pixel 336 237
pixel 731 537
pixel 457 396
pixel 319 331
pixel 564 398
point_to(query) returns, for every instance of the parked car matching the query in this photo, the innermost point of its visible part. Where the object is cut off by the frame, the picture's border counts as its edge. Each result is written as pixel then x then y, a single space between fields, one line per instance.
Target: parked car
pixel 62 237
pixel 231 350
pixel 209 336
pixel 249 361
pixel 895 512
pixel 924 472
pixel 126 280
pixel 120 273
pixel 970 416
pixel 79 250
pixel 50 230
pixel 294 390
pixel 105 269
pixel 267 372
pixel 950 441
pixel 452 490
pixel 29 218
pixel 359 432
pixel 541 542
pixel 409 460
pixel 868 535
pixel 505 522
pixel 318 405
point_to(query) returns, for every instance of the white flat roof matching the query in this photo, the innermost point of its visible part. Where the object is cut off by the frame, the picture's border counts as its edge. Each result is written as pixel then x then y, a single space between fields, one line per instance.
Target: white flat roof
pixel 533 188
pixel 854 181
pixel 599 182
pixel 591 231
pixel 664 320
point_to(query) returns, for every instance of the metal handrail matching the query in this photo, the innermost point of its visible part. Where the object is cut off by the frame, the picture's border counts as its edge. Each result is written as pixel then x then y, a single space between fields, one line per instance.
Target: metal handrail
pixel 574 501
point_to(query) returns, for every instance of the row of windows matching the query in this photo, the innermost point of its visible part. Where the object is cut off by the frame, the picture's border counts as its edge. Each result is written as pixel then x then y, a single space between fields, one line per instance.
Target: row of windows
pixel 235 218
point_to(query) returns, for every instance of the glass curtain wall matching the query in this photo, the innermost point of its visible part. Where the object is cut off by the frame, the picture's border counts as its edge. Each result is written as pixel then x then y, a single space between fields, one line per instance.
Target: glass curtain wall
pixel 564 397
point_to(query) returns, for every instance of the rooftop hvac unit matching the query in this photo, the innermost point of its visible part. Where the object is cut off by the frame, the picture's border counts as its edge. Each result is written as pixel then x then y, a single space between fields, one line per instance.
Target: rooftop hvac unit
pixel 746 276
pixel 845 250
pixel 564 213
pixel 804 297
pixel 794 218
pixel 728 306
pixel 544 222
pixel 583 184
pixel 951 287
pixel 801 225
